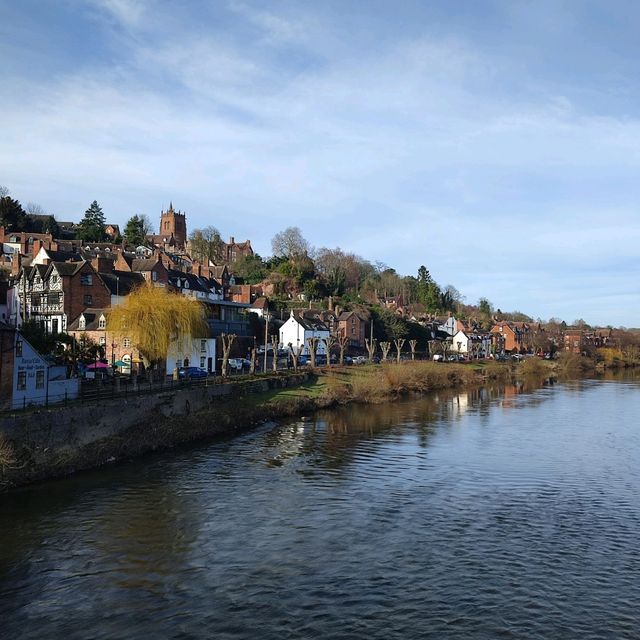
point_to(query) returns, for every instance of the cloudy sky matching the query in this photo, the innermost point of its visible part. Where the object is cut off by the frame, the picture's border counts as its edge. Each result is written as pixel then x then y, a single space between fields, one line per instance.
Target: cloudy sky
pixel 497 143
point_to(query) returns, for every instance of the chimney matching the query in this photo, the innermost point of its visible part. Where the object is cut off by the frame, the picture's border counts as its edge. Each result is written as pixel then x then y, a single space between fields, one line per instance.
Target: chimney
pixel 102 264
pixel 16 263
pixel 232 240
pixel 37 245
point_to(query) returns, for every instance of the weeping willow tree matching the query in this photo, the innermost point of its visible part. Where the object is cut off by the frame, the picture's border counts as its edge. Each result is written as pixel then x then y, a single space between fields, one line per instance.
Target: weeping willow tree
pixel 157 322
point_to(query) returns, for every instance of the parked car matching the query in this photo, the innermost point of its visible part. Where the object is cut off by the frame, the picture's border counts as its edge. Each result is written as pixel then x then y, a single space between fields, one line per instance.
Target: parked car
pixel 261 349
pixel 238 364
pixel 359 360
pixel 192 372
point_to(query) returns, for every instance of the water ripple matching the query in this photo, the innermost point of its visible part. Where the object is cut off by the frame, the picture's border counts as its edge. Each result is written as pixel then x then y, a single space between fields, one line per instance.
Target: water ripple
pixel 494 514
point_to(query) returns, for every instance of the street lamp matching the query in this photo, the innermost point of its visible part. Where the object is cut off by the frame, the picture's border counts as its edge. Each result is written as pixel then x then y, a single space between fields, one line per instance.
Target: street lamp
pixel 266 338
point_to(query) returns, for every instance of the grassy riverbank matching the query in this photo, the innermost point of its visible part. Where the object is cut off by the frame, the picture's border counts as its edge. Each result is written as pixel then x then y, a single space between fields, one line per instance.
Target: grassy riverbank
pixel 243 408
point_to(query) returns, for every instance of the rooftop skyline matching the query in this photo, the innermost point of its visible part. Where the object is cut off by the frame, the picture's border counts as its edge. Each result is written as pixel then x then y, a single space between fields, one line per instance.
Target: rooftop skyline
pixel 497 143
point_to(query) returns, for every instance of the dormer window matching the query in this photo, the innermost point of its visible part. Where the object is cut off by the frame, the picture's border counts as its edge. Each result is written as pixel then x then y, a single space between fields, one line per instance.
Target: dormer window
pixel 83 323
pixel 102 323
pixel 186 284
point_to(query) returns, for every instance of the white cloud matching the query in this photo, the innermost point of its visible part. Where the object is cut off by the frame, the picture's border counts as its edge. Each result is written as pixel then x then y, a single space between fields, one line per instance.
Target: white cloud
pixel 413 152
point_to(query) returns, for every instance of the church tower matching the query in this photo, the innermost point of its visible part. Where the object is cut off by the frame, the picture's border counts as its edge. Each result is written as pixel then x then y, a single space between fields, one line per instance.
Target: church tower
pixel 173 223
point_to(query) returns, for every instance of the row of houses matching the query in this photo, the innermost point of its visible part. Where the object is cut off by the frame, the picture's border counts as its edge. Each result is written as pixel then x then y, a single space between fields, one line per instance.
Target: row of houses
pixel 67 287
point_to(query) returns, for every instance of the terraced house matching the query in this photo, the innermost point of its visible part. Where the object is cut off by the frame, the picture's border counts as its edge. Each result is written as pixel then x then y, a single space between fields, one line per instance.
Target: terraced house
pixel 55 294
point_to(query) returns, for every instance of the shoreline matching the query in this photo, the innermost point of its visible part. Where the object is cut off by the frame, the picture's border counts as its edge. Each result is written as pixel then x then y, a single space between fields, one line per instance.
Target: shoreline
pixel 187 416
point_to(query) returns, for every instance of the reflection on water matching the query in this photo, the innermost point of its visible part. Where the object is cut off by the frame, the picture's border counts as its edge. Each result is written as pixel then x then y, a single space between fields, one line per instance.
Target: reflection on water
pixel 500 512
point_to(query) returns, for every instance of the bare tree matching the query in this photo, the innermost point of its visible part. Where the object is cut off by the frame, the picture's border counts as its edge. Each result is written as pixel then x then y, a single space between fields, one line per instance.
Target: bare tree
pixel 435 346
pixel 371 347
pixel 295 354
pixel 312 344
pixel 34 209
pixel 227 341
pixel 4 191
pixel 206 244
pixel 290 243
pixel 328 343
pixel 343 342
pixel 399 342
pixel 413 343
pixel 386 347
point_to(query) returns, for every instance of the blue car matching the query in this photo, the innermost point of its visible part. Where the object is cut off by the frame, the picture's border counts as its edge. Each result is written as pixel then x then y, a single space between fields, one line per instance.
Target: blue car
pixel 192 372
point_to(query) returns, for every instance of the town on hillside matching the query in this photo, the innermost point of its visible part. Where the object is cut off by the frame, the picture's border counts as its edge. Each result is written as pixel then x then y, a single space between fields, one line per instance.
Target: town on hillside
pixel 60 280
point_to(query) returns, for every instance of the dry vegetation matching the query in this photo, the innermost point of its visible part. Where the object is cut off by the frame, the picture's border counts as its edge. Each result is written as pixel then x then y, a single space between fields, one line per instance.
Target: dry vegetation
pixel 382 383
pixel 7 455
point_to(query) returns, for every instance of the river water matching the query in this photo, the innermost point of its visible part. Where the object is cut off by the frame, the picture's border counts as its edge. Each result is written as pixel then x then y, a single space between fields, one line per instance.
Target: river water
pixel 500 513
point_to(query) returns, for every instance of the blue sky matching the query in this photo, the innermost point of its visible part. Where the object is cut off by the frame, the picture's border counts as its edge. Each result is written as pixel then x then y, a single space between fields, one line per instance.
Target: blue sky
pixel 497 143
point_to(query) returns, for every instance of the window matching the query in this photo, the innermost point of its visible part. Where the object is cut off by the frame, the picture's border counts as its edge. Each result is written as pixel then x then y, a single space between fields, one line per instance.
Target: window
pixel 86 279
pixel 53 278
pixel 103 341
pixel 203 346
pixel 40 379
pixel 19 349
pixel 126 343
pixel 203 361
pixel 82 324
pixel 102 323
pixel 88 300
pixel 54 325
pixel 22 380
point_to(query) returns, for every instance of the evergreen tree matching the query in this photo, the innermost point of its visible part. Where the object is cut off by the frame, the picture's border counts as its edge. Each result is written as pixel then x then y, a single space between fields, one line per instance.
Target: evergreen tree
pixel 134 233
pixel 91 227
pixel 12 215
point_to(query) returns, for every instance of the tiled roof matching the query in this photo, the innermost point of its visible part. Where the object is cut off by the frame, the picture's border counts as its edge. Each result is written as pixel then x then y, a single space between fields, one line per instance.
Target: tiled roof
pixel 143 264
pixel 121 283
pixel 67 268
pixel 92 319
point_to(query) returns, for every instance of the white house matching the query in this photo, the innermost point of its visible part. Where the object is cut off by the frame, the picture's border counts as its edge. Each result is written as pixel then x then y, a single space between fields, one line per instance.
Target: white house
pixel 463 343
pixel 296 331
pixel 35 381
pixel 200 352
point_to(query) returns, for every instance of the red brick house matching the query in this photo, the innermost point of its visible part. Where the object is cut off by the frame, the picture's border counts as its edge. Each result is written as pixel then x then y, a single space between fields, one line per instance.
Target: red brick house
pixel 511 336
pixel 354 327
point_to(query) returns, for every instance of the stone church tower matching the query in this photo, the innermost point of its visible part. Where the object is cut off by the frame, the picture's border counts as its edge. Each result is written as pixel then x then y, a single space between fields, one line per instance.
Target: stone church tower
pixel 173 223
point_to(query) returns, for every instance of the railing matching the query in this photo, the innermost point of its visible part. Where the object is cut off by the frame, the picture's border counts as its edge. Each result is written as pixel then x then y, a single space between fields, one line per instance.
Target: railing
pixel 101 391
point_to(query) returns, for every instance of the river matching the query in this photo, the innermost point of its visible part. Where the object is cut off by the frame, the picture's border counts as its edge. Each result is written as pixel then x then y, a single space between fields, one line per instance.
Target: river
pixel 498 513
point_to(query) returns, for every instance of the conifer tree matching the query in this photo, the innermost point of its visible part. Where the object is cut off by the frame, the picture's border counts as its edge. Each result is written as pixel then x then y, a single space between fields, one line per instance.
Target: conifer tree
pixel 91 227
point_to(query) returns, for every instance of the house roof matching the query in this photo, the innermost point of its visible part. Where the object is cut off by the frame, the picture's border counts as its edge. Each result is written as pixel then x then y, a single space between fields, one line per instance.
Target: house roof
pixel 260 303
pixel 310 324
pixel 144 264
pixel 92 319
pixel 66 268
pixel 121 283
pixel 196 283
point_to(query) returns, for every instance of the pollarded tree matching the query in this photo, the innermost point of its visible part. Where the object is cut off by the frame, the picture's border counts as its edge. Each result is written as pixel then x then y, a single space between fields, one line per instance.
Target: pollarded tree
pixel 158 323
pixel 91 227
pixel 398 342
